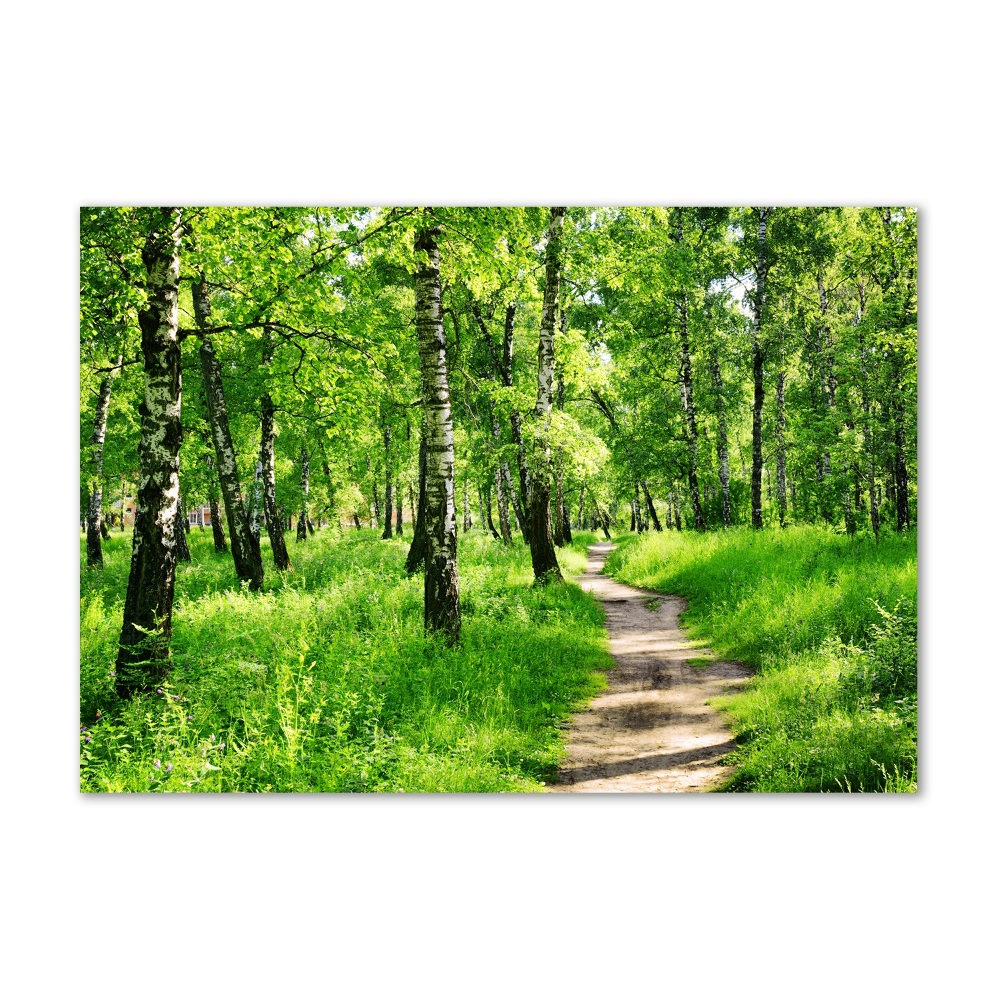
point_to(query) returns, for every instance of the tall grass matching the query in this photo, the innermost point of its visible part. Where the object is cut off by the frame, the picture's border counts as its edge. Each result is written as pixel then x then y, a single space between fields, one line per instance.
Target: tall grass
pixel 828 621
pixel 324 681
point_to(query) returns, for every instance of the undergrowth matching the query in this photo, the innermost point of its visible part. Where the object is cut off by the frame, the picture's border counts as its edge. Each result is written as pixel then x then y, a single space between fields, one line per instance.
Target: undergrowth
pixel 323 681
pixel 829 623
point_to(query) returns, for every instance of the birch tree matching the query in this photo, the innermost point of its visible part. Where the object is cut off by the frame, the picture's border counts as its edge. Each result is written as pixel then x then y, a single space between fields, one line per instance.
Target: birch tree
pixel 246 550
pixel 441 599
pixel 758 301
pixel 275 529
pixel 543 553
pixel 144 644
pixel 95 556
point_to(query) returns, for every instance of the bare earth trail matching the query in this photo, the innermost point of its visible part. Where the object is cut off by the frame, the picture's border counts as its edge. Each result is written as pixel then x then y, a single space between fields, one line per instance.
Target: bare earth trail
pixel 650 730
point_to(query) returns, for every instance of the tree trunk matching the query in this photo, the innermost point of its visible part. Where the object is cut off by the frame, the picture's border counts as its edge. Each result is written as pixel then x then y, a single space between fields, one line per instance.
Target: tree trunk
pixel 257 502
pixel 826 344
pixel 181 529
pixel 890 473
pixel 399 509
pixel 418 547
pixel 898 481
pixel 543 553
pixel 482 507
pixel 331 490
pixel 246 553
pixel 144 644
pixel 503 497
pixel 866 426
pixel 779 440
pixel 560 527
pixel 503 507
pixel 275 529
pixel 519 500
pixel 515 507
pixel 897 417
pixel 487 493
pixel 442 612
pixel 522 502
pixel 300 531
pixel 559 530
pixel 467 507
pixel 387 439
pixel 605 521
pixel 503 364
pixel 95 473
pixel 212 490
pixel 901 483
pixel 825 394
pixel 848 473
pixel 579 513
pixel 759 300
pixel 650 507
pixel 508 499
pixel 687 395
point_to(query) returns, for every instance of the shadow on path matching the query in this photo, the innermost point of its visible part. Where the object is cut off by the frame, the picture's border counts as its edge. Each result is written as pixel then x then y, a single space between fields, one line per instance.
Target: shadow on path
pixel 651 730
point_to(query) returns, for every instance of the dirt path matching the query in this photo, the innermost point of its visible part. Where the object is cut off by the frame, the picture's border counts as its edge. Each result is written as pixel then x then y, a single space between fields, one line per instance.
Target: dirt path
pixel 651 730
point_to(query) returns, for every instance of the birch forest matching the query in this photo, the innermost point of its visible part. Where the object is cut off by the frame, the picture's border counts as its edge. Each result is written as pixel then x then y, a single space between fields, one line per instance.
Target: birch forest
pixel 340 467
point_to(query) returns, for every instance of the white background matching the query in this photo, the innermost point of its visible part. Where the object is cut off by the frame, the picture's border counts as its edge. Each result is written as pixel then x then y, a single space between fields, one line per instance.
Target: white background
pixel 593 103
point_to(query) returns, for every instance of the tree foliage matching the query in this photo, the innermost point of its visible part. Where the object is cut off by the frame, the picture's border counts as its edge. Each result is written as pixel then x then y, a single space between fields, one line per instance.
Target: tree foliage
pixel 671 327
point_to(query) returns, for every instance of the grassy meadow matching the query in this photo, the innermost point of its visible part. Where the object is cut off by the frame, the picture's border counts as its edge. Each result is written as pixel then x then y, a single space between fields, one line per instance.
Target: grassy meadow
pixel 323 681
pixel 829 623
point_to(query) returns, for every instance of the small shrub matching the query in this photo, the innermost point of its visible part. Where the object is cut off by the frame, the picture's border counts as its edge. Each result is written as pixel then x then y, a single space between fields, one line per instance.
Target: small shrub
pixel 887 667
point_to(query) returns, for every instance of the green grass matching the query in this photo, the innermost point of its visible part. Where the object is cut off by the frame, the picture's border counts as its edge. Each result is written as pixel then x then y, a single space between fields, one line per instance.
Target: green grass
pixel 324 681
pixel 829 623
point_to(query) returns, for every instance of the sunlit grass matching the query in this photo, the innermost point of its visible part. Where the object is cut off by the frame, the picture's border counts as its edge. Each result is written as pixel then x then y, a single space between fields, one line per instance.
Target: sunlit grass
pixel 324 681
pixel 830 624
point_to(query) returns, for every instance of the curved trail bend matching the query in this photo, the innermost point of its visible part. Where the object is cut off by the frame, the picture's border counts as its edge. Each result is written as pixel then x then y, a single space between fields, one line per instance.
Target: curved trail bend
pixel 650 730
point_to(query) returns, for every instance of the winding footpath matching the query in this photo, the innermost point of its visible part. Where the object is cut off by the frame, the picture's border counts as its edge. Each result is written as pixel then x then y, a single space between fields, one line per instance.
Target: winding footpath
pixel 650 730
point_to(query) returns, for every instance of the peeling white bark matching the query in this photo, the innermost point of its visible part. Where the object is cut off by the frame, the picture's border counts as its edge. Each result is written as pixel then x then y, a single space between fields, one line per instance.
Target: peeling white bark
pixel 246 554
pixel 95 556
pixel 441 598
pixel 144 645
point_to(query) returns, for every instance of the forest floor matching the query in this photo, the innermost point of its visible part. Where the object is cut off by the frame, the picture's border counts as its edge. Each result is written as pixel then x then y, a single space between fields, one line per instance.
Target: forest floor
pixel 651 729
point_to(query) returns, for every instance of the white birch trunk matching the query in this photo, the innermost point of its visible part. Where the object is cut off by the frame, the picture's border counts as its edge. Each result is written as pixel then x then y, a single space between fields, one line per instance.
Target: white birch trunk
pixel 441 598
pixel 144 644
